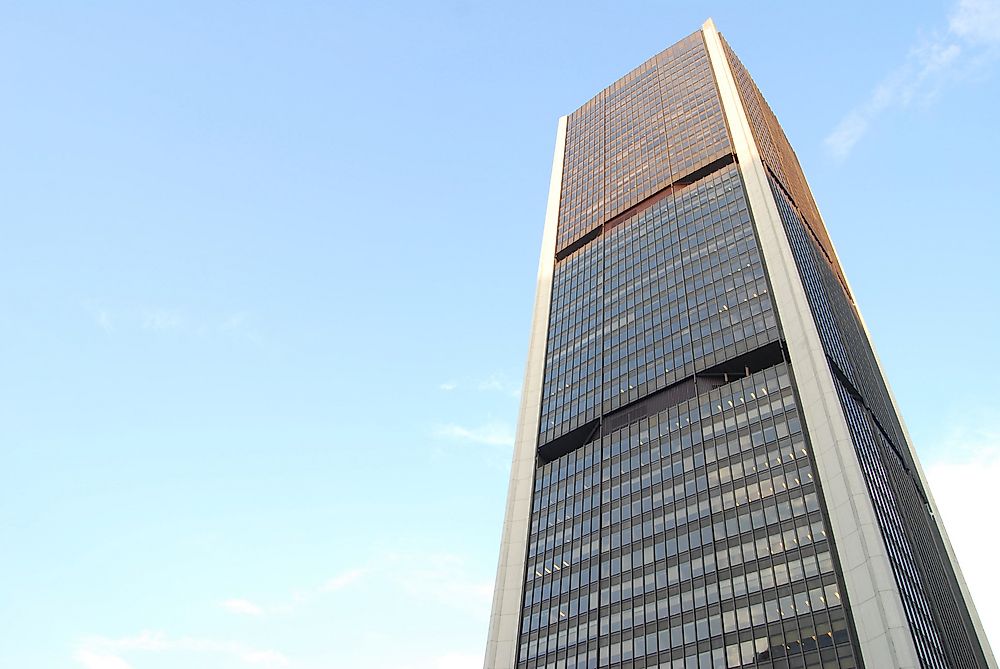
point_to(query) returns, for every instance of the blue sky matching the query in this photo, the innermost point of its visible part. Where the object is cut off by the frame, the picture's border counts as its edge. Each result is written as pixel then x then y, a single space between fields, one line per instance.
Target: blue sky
pixel 268 274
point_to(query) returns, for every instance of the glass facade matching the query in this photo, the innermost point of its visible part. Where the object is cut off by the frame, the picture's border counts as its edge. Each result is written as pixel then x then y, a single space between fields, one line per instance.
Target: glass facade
pixel 660 121
pixel 939 622
pixel 680 524
pixel 677 516
pixel 675 288
pixel 692 538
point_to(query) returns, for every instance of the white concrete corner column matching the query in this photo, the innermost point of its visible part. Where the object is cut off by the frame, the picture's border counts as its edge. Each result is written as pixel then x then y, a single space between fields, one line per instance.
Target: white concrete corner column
pixel 984 641
pixel 876 606
pixel 501 643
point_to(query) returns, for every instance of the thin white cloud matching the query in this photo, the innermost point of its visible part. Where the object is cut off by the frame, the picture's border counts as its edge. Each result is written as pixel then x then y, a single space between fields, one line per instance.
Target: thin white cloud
pixel 969 469
pixel 341 581
pixel 345 579
pixel 94 660
pixel 164 320
pixel 234 322
pixel 243 607
pixel 971 40
pixel 494 383
pixel 101 315
pixel 977 21
pixel 426 576
pixel 444 578
pixel 439 583
pixel 159 318
pixel 492 434
pixel 104 321
pixel 108 653
pixel 499 383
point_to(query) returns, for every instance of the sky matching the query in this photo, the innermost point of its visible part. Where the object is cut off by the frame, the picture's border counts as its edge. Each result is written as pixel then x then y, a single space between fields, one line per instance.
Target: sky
pixel 268 271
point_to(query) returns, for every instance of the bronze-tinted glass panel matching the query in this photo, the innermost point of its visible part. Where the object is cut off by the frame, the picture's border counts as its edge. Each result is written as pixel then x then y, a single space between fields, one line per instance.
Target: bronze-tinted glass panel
pixel 661 120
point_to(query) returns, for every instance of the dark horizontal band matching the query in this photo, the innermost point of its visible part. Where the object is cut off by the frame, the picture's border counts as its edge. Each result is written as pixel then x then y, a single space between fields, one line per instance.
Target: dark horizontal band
pixel 676 185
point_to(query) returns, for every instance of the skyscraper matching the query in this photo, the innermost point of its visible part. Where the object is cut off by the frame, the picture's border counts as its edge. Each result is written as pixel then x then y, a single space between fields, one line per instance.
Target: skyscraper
pixel 709 468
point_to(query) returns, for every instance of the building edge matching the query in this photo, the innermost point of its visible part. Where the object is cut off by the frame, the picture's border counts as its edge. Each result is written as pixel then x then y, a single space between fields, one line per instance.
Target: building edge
pixel 876 607
pixel 502 639
pixel 984 642
pixel 960 578
pixel 970 605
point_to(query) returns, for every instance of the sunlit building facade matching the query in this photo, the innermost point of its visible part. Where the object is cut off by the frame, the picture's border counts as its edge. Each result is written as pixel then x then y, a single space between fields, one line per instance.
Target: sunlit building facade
pixel 710 470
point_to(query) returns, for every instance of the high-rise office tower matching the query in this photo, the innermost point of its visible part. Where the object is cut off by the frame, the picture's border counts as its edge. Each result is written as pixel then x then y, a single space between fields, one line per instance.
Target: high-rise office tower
pixel 710 469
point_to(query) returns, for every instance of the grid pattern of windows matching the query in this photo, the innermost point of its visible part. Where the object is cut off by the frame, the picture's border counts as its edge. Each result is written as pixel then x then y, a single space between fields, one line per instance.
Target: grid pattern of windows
pixel 658 122
pixel 672 290
pixel 676 520
pixel 693 539
pixel 573 370
pixel 778 156
pixel 942 630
